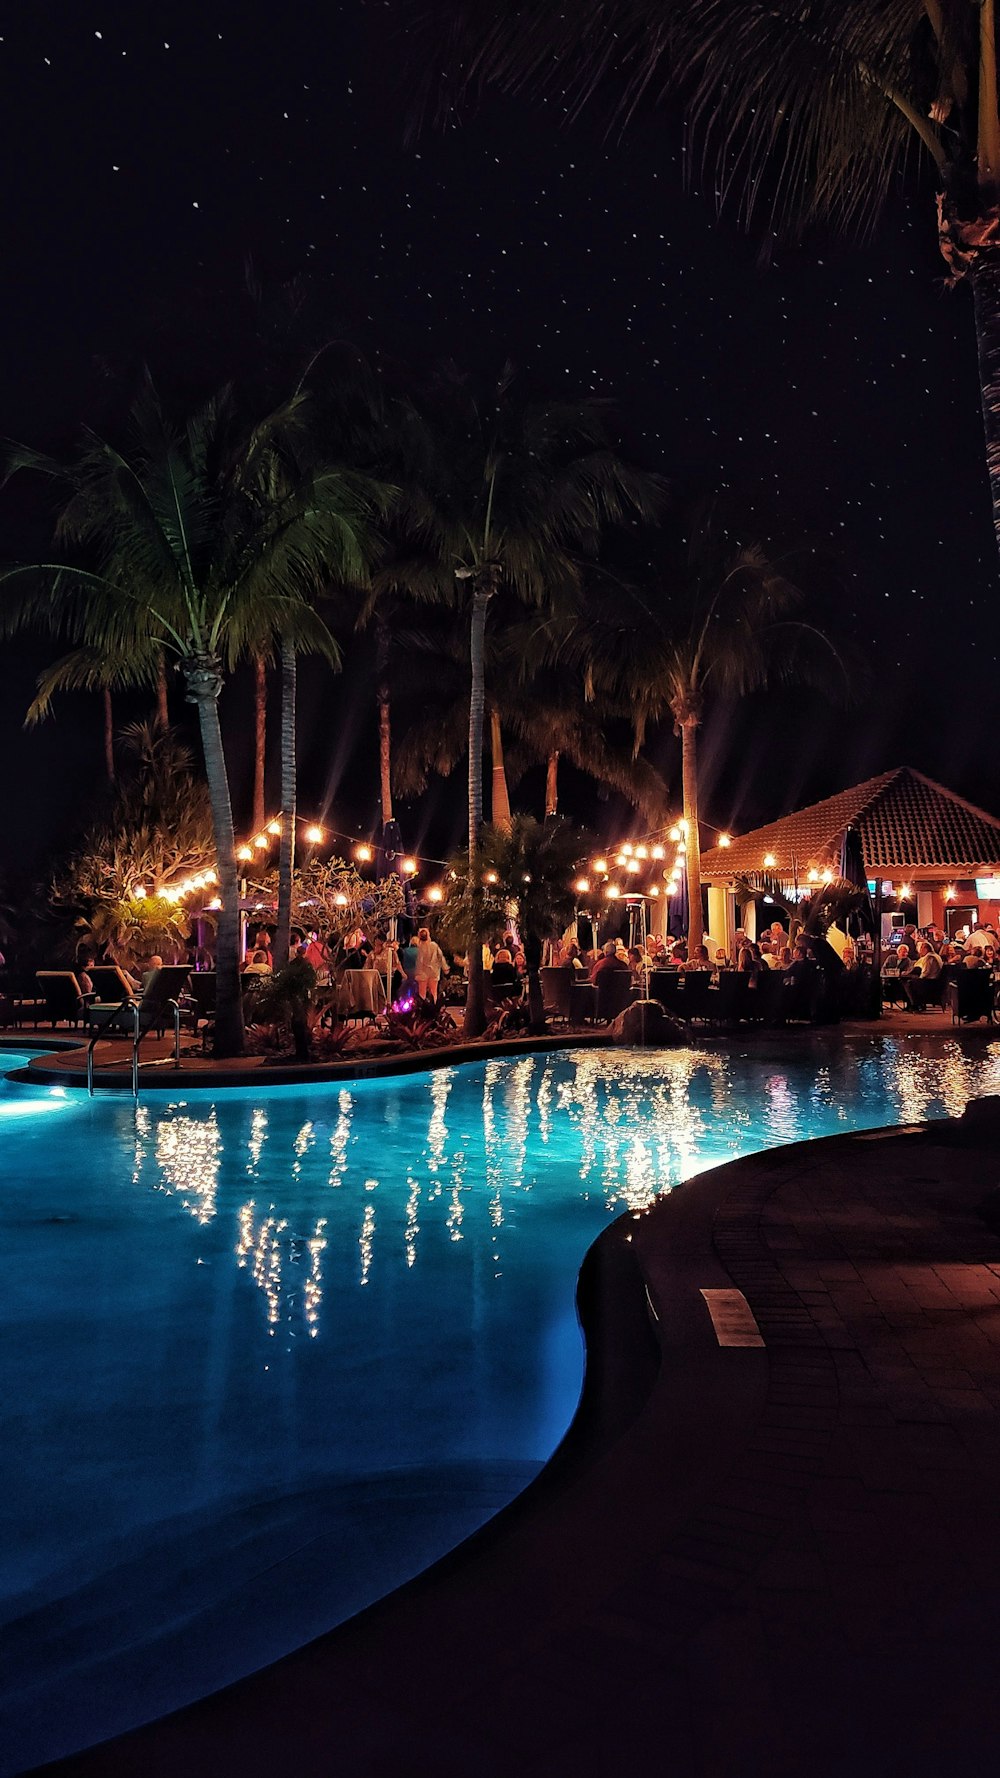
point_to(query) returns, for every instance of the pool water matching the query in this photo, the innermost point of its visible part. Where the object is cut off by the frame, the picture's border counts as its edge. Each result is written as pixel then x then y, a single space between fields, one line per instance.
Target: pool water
pixel 264 1357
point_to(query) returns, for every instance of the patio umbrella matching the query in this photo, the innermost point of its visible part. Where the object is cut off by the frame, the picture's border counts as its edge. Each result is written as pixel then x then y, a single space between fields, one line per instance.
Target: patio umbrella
pixel 853 870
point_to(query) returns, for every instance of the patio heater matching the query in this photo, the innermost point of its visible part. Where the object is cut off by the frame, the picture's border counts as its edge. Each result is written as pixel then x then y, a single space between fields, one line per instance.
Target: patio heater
pixel 638 934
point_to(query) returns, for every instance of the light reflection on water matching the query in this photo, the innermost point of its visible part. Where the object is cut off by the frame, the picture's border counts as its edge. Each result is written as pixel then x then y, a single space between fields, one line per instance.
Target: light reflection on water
pixel 363 1291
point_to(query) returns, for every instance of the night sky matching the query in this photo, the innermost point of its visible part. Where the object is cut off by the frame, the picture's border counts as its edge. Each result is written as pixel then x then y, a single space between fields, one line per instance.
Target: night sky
pixel 832 396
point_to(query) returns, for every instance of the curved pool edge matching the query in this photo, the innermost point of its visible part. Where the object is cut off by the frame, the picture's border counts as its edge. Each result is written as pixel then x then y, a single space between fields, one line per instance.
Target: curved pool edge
pixel 209 1079
pixel 662 1416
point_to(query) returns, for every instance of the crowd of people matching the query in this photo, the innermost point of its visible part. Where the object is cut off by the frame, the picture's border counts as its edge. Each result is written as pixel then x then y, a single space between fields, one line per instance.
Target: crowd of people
pixel 919 965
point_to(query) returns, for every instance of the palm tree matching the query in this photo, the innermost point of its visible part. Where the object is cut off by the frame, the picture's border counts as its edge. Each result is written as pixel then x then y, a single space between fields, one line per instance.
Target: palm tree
pixel 193 549
pixel 504 494
pixel 531 865
pixel 725 627
pixel 806 112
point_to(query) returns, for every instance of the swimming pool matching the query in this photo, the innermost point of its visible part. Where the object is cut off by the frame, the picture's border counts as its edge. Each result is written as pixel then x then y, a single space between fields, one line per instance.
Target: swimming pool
pixel 263 1357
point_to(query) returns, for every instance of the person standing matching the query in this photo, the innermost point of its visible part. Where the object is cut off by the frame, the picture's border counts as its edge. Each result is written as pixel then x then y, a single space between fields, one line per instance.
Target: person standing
pixel 430 965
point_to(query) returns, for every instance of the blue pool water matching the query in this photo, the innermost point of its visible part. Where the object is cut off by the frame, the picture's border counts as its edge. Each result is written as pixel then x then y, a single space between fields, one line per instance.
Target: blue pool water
pixel 263 1358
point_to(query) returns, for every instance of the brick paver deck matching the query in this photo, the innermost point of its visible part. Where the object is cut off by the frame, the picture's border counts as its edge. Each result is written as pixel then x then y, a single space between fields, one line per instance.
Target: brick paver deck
pixel 788 1564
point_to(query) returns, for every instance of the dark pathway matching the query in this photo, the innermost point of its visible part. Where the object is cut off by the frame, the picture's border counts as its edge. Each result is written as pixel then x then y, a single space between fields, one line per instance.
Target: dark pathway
pixel 789 1564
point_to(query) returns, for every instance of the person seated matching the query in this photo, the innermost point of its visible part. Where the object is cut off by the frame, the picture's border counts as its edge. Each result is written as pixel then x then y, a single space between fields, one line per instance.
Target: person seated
pixel 917 985
pixel 700 959
pixel 572 959
pixel 749 961
pixel 678 954
pixel 153 967
pixel 85 962
pixel 257 964
pixel 608 959
pixel 636 962
pixel 505 983
pixel 784 958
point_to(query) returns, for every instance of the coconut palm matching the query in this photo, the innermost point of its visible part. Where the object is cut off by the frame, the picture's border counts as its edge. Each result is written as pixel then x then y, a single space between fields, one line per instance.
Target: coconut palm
pixel 192 546
pixel 531 866
pixel 503 494
pixel 727 624
pixel 806 112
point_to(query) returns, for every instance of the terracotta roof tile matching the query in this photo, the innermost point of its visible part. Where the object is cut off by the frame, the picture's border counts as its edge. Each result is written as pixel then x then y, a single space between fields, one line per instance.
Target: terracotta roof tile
pixel 908 824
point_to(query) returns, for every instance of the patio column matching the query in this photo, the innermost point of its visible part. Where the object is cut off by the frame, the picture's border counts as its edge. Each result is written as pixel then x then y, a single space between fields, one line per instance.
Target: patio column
pixel 925 907
pixel 717 921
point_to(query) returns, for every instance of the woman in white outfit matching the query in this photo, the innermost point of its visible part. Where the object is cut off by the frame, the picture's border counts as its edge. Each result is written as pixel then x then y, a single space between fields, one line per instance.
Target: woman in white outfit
pixel 430 967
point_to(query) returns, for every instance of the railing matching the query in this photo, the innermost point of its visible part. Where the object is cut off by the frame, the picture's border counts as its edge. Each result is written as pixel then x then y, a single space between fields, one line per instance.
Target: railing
pixel 138 1033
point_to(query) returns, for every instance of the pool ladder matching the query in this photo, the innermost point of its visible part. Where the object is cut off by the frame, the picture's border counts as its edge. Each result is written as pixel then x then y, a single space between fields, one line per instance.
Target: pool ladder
pixel 132 1007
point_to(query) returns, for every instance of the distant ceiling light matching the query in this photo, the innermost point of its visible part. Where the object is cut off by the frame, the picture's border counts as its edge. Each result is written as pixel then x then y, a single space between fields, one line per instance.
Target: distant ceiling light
pixel 905 892
pixel 314 835
pixel 769 861
pixel 949 893
pixel 828 876
pixel 812 876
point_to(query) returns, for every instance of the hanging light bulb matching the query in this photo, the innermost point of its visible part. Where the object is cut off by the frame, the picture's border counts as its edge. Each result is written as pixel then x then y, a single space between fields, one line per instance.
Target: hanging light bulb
pixel 628 848
pixel 642 851
pixel 683 824
pixel 435 892
pixel 724 839
pixel 211 876
pixel 654 889
pixel 244 854
pixel 674 834
pixel 491 877
pixel 601 866
pixel 633 867
pixel 769 861
pixel 949 893
pixel 139 893
pixel 612 892
pixel 621 859
pixel 274 827
pixel 260 841
pixel 681 848
pixel 905 892
pixel 409 867
pixel 363 853
pixel 215 904
pixel 658 852
pixel 582 885
pixel 340 899
pixel 314 835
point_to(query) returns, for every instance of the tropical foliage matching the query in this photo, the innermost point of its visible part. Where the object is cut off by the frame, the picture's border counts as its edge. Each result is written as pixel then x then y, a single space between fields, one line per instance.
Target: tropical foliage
pixel 123 882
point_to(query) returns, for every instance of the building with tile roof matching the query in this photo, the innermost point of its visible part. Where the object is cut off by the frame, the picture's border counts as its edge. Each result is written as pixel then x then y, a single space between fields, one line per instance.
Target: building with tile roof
pixel 915 836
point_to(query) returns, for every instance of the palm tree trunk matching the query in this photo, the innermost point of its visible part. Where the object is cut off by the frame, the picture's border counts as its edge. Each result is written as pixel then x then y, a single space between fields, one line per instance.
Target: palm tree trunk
pixel 259 739
pixel 109 735
pixel 500 804
pixel 384 723
pixel 162 703
pixel 286 856
pixel 552 785
pixel 475 1002
pixel 692 855
pixel 204 683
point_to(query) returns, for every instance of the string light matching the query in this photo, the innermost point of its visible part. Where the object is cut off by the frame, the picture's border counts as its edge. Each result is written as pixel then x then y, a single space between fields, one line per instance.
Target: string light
pixel 260 841
pixel 621 860
pixel 633 867
pixel 274 827
pixel 659 852
pixel 724 840
pixel 828 876
pixel 139 894
pixel 601 866
pixel 435 893
pixel 612 892
pixel 314 835
pixel 813 876
pixel 582 885
pixel 490 877
pixel 363 854
pixel 674 834
pixel 409 867
pixel 244 854
pixel 215 904
pixel 642 852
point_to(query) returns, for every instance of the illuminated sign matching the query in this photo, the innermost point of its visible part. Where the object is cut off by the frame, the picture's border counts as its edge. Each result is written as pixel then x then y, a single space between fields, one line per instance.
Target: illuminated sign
pixel 988 888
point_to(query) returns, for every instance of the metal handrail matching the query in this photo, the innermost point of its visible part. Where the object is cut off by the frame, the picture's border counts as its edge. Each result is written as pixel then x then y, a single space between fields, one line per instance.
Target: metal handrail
pixel 135 1008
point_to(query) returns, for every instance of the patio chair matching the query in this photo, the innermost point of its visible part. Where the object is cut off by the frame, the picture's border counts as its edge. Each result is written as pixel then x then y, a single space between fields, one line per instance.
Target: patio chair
pixel 665 986
pixel 110 983
pixel 733 995
pixel 695 998
pixel 557 986
pixel 614 993
pixel 970 996
pixel 62 996
pixel 156 1004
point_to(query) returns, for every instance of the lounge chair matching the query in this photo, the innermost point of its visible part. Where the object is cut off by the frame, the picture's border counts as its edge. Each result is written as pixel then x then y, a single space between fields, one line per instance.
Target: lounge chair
pixel 111 985
pixel 62 995
pixel 156 1004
